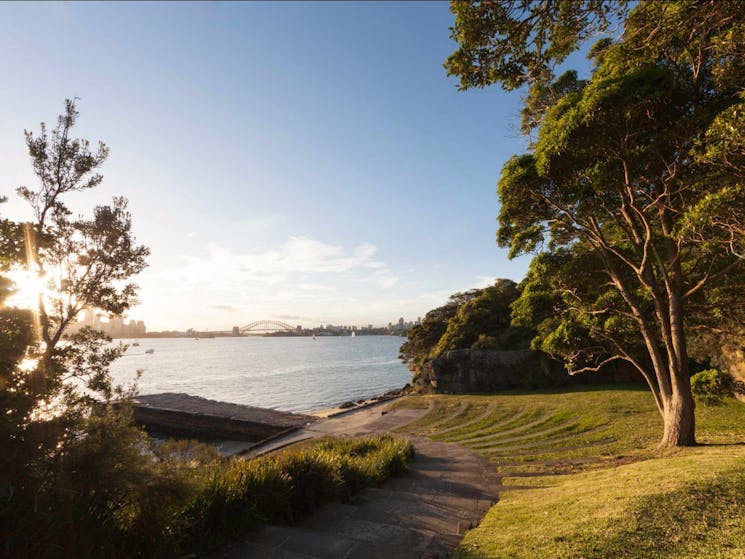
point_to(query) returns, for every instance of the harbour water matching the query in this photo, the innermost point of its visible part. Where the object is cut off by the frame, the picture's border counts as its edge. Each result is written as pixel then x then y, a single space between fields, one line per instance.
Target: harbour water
pixel 286 373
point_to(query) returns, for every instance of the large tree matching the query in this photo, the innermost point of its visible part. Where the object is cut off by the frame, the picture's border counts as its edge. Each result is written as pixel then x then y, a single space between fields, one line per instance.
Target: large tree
pixel 624 166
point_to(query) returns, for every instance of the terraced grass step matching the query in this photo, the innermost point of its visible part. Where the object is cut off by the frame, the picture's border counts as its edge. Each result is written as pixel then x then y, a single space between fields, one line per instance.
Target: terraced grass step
pixel 532 446
pixel 488 412
pixel 535 419
pixel 500 418
pixel 576 428
pixel 464 415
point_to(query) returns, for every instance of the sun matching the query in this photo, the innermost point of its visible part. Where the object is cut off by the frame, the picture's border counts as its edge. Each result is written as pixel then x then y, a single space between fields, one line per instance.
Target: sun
pixel 28 286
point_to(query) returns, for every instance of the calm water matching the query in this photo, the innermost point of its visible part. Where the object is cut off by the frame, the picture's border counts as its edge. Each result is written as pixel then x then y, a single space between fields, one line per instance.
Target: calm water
pixel 292 374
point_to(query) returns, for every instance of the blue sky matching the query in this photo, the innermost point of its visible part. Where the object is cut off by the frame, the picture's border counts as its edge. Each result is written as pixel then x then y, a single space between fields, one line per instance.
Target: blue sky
pixel 303 161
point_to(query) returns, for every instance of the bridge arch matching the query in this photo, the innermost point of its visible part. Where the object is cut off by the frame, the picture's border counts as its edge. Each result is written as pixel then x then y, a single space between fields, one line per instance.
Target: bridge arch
pixel 267 326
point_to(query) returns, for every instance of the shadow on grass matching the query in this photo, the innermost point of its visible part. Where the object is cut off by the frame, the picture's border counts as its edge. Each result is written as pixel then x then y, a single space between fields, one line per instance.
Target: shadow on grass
pixel 699 520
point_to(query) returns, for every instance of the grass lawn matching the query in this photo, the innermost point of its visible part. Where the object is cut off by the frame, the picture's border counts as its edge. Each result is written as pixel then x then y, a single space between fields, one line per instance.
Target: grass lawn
pixel 583 478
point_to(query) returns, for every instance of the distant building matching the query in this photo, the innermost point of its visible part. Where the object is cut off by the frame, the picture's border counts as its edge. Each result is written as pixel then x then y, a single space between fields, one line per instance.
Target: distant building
pixel 236 331
pixel 116 327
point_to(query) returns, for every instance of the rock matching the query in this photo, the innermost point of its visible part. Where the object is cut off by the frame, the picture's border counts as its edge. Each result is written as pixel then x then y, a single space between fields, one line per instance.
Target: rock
pixel 477 370
pixel 346 405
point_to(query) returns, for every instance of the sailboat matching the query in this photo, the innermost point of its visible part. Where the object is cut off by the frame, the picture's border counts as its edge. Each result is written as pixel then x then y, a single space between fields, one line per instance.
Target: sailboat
pixel 354 333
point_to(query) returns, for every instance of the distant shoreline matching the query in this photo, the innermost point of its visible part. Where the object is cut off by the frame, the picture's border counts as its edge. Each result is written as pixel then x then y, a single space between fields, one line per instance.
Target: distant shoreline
pixel 207 336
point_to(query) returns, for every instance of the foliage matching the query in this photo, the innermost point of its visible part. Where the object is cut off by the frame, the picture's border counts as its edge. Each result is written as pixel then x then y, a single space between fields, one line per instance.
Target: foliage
pixel 712 386
pixel 286 486
pixel 485 322
pixel 630 191
pixel 513 42
pixel 77 477
pixel 477 319
pixel 423 338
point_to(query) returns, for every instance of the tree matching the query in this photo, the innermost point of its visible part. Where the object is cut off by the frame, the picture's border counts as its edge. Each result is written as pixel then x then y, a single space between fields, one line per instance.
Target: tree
pixel 484 322
pixel 70 458
pixel 422 339
pixel 622 167
pixel 82 261
pixel 518 42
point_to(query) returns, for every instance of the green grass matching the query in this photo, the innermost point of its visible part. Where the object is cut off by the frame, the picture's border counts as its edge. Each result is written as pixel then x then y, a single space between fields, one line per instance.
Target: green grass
pixel 682 506
pixel 557 430
pixel 585 479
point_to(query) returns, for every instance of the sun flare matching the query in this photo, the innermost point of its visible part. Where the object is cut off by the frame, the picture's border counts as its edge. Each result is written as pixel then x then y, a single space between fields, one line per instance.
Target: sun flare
pixel 28 287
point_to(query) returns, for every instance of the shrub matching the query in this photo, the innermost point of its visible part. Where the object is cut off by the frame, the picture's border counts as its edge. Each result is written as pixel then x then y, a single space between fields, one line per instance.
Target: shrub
pixel 711 386
pixel 241 494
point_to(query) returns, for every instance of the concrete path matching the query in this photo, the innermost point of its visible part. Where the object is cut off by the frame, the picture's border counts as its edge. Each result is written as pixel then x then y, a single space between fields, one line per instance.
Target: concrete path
pixel 422 515
pixel 365 421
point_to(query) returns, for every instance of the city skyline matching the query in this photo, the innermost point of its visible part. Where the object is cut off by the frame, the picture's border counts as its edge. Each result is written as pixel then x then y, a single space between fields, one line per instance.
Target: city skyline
pixel 120 325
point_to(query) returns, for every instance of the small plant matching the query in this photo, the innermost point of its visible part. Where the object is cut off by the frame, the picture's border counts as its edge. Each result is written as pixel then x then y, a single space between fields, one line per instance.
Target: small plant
pixel 711 386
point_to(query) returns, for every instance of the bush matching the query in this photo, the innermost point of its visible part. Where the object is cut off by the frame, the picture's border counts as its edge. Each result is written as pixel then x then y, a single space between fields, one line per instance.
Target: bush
pixel 711 386
pixel 286 486
pixel 123 501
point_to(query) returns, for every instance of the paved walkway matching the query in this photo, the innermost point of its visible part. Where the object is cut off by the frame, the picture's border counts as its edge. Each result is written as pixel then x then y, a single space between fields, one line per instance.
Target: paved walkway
pixel 422 515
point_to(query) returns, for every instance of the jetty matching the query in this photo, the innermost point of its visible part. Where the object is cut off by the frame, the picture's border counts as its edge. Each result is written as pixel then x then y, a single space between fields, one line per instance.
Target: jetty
pixel 183 415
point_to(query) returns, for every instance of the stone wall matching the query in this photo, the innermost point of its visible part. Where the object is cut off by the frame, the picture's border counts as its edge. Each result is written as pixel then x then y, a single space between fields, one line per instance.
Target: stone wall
pixel 466 370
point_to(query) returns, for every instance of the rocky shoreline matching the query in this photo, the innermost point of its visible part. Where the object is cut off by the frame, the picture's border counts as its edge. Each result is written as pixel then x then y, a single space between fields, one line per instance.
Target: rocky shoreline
pixel 353 405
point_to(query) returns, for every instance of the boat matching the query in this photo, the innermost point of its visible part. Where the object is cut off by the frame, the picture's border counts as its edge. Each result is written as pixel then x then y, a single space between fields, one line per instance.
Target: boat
pixel 136 344
pixel 354 334
pixel 149 351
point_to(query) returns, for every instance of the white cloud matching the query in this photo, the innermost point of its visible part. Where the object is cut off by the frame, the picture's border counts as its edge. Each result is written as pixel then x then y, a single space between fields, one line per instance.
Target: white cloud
pixel 296 258
pixel 299 274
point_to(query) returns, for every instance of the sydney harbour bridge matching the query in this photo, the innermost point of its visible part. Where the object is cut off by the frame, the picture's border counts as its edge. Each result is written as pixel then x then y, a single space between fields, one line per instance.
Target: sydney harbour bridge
pixel 263 326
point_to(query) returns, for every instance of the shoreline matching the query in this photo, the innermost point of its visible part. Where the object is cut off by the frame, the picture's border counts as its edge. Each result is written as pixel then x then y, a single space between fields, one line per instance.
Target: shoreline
pixel 350 406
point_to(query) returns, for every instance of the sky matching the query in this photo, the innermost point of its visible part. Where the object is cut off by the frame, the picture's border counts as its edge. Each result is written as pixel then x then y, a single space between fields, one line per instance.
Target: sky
pixel 304 162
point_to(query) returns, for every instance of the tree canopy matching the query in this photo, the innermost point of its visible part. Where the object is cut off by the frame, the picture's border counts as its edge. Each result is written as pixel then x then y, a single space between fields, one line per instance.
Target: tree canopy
pixel 474 319
pixel 484 322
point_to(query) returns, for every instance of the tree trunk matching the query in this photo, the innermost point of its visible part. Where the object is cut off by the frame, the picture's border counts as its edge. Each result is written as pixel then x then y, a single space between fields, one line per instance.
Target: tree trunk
pixel 680 423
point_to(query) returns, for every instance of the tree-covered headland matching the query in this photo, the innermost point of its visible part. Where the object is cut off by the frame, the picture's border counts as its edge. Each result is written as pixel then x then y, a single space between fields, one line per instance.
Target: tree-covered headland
pixel 474 319
pixel 631 196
